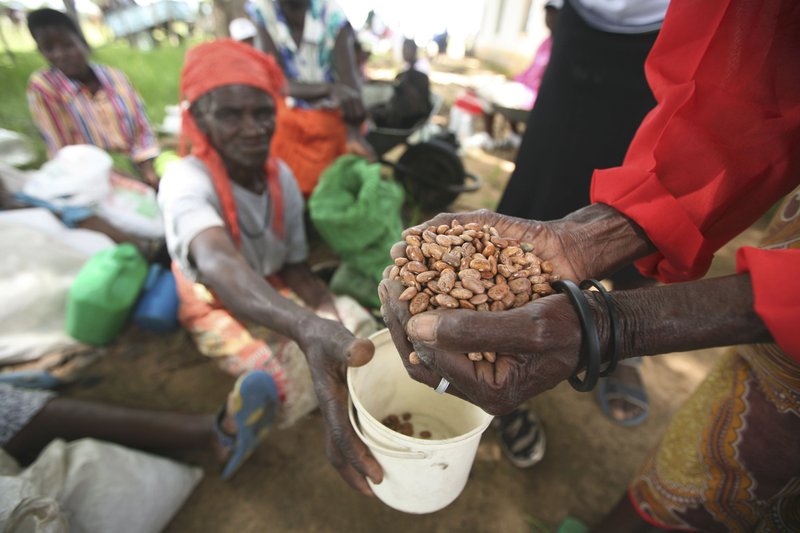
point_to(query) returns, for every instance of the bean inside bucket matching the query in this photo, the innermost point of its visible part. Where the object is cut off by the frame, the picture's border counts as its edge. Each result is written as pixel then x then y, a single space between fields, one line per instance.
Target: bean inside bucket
pixel 421 475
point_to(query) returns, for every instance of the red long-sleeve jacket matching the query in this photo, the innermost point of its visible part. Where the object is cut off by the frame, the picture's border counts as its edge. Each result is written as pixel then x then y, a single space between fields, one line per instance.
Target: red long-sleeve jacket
pixel 719 149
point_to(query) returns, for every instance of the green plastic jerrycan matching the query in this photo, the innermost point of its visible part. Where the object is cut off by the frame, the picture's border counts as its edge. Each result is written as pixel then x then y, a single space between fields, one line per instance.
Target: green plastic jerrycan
pixel 104 293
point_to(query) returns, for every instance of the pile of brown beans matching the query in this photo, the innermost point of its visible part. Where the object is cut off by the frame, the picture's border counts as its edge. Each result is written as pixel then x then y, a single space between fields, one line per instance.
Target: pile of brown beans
pixel 402 424
pixel 469 266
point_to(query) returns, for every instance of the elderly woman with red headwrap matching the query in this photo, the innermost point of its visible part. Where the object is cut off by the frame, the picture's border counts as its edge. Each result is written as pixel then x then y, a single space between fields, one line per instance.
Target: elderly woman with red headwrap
pixel 234 226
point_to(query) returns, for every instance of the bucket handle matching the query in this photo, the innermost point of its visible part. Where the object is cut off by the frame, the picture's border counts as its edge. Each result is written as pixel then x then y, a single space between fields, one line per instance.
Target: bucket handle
pixel 399 454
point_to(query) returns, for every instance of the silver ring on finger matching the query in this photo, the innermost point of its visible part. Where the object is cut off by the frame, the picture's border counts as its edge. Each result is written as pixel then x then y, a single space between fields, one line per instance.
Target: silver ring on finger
pixel 442 386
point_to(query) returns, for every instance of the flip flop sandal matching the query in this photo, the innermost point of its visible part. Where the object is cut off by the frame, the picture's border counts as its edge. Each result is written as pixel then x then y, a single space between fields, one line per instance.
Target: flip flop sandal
pixel 522 437
pixel 31 379
pixel 611 388
pixel 255 405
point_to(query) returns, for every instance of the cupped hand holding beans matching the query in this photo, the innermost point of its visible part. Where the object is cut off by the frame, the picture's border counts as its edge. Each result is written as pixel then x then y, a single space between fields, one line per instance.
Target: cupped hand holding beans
pixel 535 345
pixel 470 266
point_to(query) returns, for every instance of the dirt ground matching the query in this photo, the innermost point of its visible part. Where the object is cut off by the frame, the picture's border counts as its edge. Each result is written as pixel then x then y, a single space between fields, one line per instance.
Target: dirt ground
pixel 289 486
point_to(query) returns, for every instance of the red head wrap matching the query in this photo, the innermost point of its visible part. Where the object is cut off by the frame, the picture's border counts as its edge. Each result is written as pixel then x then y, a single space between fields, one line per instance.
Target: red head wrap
pixel 215 64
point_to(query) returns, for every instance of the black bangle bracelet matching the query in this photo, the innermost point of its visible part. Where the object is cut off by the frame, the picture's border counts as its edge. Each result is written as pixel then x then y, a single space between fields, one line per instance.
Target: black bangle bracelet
pixel 590 338
pixel 612 356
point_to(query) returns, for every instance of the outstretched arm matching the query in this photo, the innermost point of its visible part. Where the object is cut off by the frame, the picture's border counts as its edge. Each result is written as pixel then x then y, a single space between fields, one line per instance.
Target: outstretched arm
pixel 243 292
pixel 302 281
pixel 539 344
pixel 541 341
pixel 328 346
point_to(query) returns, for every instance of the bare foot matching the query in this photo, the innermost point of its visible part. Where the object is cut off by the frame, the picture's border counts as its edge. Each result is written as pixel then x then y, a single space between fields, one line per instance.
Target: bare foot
pixel 228 423
pixel 228 427
pixel 622 410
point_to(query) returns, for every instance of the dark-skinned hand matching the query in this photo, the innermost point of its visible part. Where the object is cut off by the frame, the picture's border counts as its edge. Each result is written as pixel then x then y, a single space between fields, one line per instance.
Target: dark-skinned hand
pixel 358 145
pixel 148 173
pixel 549 244
pixel 590 243
pixel 350 103
pixel 537 347
pixel 537 344
pixel 330 349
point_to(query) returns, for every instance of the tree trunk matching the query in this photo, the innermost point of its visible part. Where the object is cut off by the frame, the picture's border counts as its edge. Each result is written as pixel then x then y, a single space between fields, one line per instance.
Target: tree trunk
pixel 6 47
pixel 224 12
pixel 69 5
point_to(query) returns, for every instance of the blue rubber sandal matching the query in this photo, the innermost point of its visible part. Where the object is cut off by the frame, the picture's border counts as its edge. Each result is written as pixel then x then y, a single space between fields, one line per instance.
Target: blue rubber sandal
pixel 255 405
pixel 611 388
pixel 31 379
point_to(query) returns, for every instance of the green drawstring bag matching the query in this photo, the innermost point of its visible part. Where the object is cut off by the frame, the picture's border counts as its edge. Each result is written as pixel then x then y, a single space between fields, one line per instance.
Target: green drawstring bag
pixel 362 288
pixel 357 213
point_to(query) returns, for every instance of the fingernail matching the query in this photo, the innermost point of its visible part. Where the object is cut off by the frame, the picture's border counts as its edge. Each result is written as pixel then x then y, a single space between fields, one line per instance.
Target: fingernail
pixel 382 292
pixel 423 327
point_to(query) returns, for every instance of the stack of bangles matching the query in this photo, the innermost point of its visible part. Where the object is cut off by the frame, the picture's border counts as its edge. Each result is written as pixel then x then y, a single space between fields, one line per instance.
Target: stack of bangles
pixel 590 344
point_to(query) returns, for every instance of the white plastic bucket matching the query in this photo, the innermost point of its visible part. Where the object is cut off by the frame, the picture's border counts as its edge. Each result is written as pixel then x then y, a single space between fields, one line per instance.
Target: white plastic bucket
pixel 419 475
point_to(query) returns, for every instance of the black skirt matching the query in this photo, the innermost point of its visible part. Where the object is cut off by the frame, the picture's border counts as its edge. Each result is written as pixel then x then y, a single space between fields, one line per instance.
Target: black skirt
pixel 591 101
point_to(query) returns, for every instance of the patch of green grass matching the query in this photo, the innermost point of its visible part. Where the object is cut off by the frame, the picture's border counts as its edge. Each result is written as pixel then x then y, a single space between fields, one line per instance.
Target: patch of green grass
pixel 14 113
pixel 154 73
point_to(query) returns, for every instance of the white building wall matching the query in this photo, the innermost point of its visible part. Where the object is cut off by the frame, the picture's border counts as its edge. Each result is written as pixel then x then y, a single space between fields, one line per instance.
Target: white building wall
pixel 510 32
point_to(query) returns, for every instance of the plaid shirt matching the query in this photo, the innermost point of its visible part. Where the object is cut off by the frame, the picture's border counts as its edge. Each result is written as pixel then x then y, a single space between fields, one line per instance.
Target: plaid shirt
pixel 66 113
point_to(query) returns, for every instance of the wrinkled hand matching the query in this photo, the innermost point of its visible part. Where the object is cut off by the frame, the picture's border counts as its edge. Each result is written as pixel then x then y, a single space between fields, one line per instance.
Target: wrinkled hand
pixel 537 344
pixel 330 349
pixel 151 179
pixel 148 173
pixel 557 241
pixel 350 103
pixel 537 347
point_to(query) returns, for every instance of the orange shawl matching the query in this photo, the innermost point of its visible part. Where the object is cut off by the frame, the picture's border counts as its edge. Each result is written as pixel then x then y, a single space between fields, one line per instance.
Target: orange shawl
pixel 212 65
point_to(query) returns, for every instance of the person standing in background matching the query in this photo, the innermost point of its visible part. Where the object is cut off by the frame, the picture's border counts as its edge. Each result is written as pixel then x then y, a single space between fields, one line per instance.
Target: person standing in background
pixel 313 42
pixel 716 154
pixel 591 101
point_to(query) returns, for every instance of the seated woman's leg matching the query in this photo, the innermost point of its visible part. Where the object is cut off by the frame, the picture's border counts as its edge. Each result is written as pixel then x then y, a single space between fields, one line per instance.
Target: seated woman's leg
pixel 70 419
pixel 241 347
pixel 218 334
pixel 30 420
pixel 723 462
